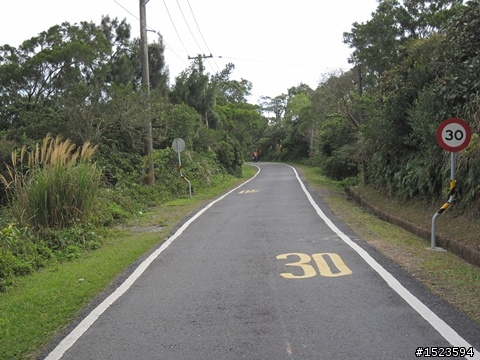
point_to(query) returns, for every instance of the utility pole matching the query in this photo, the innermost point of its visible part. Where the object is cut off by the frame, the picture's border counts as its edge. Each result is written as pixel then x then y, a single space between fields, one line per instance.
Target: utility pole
pixel 199 58
pixel 150 180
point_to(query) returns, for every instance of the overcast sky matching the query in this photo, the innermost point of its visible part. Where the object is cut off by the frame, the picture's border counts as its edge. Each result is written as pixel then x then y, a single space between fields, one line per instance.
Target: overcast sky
pixel 275 44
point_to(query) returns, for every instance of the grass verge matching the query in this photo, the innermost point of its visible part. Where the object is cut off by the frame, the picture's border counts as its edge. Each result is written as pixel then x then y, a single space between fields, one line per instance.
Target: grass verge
pixel 41 305
pixel 445 274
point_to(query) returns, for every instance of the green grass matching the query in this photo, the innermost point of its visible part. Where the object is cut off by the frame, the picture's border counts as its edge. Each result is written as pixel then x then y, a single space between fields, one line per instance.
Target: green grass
pixel 41 305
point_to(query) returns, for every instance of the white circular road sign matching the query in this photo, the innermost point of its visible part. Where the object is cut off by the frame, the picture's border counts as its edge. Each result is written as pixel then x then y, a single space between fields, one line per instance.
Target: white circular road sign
pixel 178 145
pixel 454 134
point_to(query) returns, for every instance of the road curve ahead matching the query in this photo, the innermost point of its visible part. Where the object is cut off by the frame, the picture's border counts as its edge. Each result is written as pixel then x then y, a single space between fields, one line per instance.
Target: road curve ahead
pixel 266 272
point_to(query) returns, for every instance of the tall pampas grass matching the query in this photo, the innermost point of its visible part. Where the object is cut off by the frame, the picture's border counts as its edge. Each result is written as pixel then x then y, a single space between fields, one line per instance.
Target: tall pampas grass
pixel 54 185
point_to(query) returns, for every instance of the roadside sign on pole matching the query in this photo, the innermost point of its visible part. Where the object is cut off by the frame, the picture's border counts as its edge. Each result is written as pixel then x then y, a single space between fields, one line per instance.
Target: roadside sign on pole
pixel 454 134
pixel 178 145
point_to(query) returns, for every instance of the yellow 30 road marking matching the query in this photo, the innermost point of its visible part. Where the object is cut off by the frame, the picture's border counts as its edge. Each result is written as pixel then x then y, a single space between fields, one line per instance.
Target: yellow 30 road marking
pixel 308 270
pixel 325 270
pixel 322 265
pixel 248 191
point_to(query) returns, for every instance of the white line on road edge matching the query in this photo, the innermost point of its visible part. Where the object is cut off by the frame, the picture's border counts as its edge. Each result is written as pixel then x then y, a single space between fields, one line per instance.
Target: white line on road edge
pixel 438 324
pixel 80 329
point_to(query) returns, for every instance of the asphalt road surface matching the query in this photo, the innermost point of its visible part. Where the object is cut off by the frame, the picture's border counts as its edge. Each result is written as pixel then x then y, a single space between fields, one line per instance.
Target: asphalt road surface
pixel 267 272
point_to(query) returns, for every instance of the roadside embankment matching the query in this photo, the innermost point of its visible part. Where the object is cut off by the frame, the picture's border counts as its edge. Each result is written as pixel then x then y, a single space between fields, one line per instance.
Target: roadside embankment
pixel 446 242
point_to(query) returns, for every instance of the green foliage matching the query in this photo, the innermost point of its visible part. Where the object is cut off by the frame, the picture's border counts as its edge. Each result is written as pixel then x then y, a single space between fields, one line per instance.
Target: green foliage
pixel 20 254
pixel 23 252
pixel 429 78
pixel 82 81
pixel 270 144
pixel 193 88
pixel 468 162
pixel 461 84
pixel 52 186
pixel 336 153
pixel 180 121
pixel 200 168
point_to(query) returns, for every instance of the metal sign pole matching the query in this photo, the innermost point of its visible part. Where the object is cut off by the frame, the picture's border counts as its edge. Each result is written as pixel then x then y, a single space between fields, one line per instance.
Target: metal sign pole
pixel 179 159
pixel 178 146
pixel 453 135
pixel 453 161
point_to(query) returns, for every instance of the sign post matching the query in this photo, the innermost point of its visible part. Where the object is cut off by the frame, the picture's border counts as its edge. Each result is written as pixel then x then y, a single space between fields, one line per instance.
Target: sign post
pixel 178 146
pixel 453 135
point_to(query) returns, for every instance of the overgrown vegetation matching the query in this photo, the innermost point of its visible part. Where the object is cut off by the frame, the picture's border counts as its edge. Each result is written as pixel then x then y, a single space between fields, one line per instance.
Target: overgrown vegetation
pixel 415 64
pixel 80 84
pixel 52 186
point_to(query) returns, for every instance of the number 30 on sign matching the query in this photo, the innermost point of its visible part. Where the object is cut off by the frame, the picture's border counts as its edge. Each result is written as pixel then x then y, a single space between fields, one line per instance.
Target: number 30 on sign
pixel 454 134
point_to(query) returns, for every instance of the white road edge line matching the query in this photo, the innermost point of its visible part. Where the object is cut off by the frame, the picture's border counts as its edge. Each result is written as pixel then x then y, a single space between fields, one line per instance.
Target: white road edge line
pixel 88 321
pixel 438 324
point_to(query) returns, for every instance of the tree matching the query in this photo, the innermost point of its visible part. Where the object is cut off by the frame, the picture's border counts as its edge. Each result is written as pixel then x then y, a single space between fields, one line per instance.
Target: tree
pixel 379 43
pixel 274 105
pixel 461 84
pixel 35 77
pixel 231 91
pixel 195 89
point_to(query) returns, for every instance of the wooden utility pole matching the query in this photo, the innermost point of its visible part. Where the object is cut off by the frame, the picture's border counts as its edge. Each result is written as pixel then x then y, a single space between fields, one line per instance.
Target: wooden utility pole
pixel 150 180
pixel 199 58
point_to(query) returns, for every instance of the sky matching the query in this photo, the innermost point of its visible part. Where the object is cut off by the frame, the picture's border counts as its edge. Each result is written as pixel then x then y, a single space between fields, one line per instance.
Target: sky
pixel 274 44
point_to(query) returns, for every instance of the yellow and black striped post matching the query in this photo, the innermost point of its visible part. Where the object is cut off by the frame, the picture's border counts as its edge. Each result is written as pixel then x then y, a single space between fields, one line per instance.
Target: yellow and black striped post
pixel 451 195
pixel 451 198
pixel 186 179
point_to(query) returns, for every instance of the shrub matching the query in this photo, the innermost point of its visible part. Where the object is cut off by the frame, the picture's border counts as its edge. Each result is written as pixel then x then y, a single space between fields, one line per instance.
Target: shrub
pixel 21 253
pixel 52 186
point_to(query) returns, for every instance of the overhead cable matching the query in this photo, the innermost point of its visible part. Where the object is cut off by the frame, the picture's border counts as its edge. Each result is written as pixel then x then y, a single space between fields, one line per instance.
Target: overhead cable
pixel 174 27
pixel 201 34
pixel 151 29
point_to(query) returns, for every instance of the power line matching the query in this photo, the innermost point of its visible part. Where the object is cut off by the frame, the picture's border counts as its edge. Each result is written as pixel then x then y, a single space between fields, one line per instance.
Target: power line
pixel 198 27
pixel 271 62
pixel 188 26
pixel 173 24
pixel 124 8
pixel 191 33
pixel 151 29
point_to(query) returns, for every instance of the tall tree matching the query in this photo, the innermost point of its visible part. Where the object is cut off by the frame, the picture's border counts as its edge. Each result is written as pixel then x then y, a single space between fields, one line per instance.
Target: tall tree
pixel 379 43
pixel 35 77
pixel 195 89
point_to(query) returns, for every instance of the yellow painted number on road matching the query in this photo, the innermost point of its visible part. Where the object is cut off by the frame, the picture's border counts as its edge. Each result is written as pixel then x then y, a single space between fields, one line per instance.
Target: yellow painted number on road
pixel 308 270
pixel 248 191
pixel 324 268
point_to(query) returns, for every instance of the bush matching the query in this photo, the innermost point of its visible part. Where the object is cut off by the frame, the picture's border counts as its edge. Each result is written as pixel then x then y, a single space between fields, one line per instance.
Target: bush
pixel 52 186
pixel 340 164
pixel 21 253
pixel 336 152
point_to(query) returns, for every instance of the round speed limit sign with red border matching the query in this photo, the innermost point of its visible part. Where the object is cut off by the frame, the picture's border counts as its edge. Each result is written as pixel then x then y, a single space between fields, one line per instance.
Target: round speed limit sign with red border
pixel 454 134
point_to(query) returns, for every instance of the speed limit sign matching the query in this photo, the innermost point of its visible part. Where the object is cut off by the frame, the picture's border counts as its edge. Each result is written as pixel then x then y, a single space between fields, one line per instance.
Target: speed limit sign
pixel 454 134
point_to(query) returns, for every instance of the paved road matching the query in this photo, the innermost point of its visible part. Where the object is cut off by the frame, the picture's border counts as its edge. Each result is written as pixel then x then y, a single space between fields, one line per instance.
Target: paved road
pixel 259 274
